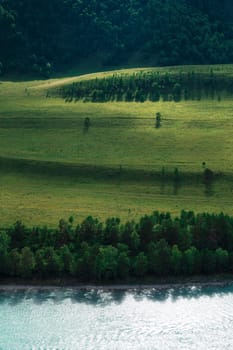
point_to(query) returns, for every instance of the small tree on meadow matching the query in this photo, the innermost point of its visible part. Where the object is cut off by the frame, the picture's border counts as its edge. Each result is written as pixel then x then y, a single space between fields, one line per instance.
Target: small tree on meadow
pixel 158 120
pixel 87 124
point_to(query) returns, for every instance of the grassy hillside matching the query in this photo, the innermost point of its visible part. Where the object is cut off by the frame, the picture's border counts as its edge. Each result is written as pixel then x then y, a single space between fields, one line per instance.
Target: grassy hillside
pixel 123 165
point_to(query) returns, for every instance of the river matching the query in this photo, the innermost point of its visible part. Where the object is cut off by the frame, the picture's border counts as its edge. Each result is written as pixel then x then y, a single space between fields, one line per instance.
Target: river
pixel 181 318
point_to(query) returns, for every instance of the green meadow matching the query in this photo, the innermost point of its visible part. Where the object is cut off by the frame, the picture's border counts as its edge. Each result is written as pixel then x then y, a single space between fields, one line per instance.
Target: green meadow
pixel 50 168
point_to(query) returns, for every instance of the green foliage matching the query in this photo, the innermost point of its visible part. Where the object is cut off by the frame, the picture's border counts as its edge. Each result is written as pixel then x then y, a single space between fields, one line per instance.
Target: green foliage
pixel 142 86
pixel 222 259
pixel 84 264
pixel 1 68
pixel 123 265
pixel 176 260
pixel 159 257
pixel 27 262
pixel 140 265
pixel 112 231
pixel 90 230
pixel 37 36
pixel 192 261
pixel 106 263
pixel 4 249
pixel 155 246
pixel 14 263
pixel 130 236
pixel 67 258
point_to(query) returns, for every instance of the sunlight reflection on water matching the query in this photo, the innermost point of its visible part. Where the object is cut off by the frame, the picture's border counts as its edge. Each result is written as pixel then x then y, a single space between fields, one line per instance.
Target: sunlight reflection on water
pixel 182 318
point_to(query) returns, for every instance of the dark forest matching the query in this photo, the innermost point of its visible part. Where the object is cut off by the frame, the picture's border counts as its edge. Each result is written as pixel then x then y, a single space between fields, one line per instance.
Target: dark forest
pixel 41 37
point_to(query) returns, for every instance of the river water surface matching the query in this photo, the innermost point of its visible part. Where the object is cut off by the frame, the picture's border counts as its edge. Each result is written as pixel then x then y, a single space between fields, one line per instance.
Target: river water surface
pixel 182 318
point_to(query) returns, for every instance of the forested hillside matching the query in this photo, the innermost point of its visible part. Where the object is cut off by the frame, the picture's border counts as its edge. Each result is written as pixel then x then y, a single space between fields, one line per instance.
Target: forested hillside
pixel 39 36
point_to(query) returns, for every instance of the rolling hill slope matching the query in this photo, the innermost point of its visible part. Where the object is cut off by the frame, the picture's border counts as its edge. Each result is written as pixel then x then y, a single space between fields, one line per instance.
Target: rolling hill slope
pixel 122 166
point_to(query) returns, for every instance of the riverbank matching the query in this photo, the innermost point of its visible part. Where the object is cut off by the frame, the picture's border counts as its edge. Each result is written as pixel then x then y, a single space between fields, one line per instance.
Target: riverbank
pixel 163 284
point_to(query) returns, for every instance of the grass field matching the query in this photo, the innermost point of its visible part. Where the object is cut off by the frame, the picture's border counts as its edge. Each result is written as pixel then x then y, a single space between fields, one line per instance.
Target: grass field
pixel 50 168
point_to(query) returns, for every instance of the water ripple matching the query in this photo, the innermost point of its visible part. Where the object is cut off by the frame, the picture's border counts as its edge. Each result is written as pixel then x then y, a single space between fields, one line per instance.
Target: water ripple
pixel 182 318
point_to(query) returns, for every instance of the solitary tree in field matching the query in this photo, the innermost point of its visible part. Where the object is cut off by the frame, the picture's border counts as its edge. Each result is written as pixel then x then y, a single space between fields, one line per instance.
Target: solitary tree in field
pixel 87 124
pixel 158 120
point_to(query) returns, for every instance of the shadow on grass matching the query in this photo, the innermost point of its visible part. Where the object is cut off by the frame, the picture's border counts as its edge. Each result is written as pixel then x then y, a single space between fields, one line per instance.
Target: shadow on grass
pixel 30 167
